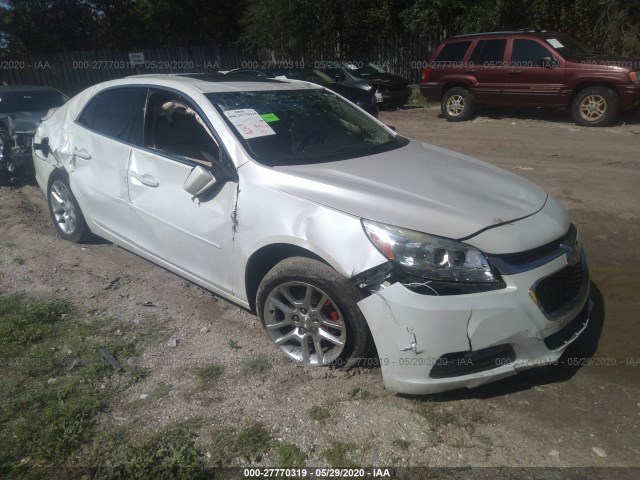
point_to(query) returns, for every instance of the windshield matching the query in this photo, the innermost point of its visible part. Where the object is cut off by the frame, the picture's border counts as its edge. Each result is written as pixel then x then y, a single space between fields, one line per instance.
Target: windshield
pixel 570 47
pixel 364 72
pixel 30 101
pixel 298 127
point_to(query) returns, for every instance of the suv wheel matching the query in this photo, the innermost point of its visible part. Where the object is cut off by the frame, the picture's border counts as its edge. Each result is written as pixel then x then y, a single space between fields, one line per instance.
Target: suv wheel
pixel 595 106
pixel 457 104
pixel 309 311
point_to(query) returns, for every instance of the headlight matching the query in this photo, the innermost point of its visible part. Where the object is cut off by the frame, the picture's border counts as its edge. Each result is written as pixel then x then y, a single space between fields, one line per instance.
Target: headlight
pixel 428 256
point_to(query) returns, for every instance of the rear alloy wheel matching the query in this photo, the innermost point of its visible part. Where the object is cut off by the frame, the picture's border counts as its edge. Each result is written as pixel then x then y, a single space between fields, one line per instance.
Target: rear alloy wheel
pixel 595 107
pixel 310 313
pixel 65 211
pixel 457 104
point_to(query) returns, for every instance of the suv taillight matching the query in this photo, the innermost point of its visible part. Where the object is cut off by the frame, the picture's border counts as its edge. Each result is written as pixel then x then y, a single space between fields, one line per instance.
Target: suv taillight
pixel 425 74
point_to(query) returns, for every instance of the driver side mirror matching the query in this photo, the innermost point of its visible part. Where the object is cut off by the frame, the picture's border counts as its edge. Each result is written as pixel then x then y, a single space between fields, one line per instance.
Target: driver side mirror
pixel 339 77
pixel 43 146
pixel 199 181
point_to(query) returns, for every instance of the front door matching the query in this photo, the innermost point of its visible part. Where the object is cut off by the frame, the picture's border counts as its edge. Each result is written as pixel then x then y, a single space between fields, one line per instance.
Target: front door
pixel 534 75
pixel 192 235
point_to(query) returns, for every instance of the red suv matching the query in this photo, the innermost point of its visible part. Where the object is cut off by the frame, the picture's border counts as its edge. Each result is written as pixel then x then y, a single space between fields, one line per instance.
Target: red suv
pixel 536 68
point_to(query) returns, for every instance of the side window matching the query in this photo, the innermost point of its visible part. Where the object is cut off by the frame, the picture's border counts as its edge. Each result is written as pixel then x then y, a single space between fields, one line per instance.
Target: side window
pixel 173 126
pixel 528 53
pixel 116 113
pixel 453 52
pixel 489 52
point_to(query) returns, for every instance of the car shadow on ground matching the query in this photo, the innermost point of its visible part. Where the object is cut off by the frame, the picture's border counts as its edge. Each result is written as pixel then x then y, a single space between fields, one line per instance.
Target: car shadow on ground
pixel 583 348
pixel 631 117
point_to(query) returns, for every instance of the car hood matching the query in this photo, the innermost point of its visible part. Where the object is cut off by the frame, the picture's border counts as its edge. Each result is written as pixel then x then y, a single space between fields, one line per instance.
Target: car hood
pixel 351 93
pixel 609 60
pixel 385 79
pixel 22 121
pixel 420 187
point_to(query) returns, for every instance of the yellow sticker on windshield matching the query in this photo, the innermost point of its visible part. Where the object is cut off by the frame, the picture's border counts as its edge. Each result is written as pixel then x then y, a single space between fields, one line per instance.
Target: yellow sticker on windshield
pixel 269 117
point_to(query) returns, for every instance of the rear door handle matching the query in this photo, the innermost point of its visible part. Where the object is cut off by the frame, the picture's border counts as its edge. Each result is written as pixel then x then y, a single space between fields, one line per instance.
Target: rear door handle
pixel 470 71
pixel 82 153
pixel 145 179
pixel 515 72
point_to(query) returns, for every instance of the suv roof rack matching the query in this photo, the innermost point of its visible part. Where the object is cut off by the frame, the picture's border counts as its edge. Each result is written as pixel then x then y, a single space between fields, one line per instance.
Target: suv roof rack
pixel 502 32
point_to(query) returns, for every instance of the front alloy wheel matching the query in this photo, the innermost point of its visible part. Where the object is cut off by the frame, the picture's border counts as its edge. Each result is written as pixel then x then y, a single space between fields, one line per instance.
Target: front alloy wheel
pixel 310 312
pixel 595 106
pixel 305 323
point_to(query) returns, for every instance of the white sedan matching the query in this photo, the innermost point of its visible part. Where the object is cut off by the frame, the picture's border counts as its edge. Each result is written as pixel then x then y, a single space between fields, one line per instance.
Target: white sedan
pixel 342 235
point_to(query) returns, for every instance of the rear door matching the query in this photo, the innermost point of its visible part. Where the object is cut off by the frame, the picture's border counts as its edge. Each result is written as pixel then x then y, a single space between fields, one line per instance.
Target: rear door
pixel 535 75
pixel 486 64
pixel 192 235
pixel 101 146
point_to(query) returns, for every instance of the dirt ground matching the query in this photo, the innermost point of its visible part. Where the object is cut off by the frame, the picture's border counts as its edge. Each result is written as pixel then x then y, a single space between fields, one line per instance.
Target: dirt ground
pixel 584 412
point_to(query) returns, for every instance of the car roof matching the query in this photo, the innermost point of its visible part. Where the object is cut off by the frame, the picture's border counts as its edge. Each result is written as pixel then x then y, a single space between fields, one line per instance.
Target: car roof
pixel 214 83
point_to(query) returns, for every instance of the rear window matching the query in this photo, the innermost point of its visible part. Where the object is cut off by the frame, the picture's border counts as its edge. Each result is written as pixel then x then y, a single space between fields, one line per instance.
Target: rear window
pixel 453 52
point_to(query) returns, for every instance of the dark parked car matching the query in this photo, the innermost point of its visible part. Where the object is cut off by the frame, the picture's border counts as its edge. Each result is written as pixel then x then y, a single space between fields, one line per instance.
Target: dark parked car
pixel 391 91
pixel 365 99
pixel 21 108
pixel 537 68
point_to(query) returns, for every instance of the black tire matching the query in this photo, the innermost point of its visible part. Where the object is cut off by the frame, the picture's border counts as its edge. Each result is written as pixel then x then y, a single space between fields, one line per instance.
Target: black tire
pixel 457 104
pixel 296 275
pixel 595 106
pixel 65 212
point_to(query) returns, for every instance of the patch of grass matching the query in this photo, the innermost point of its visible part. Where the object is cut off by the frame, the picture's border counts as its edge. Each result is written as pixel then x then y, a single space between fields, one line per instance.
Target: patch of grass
pixel 208 374
pixel 161 391
pixel 167 453
pixel 51 377
pixel 228 444
pixel 319 414
pixel 417 99
pixel 18 261
pixel 256 365
pixel 139 373
pixel 437 417
pixel 401 443
pixel 290 456
pixel 357 393
pixel 47 408
pixel 337 455
pixel 234 345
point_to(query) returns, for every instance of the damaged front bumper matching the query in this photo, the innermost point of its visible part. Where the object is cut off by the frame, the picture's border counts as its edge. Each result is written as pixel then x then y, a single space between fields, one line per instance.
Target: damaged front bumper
pixel 428 344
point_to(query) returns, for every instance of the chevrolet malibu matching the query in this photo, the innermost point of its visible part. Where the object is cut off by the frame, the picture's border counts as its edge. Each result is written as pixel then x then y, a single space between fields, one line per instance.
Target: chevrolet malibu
pixel 341 235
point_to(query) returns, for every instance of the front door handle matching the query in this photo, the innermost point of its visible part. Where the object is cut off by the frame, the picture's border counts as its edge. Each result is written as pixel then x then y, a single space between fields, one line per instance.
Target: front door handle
pixel 471 70
pixel 145 179
pixel 515 72
pixel 82 153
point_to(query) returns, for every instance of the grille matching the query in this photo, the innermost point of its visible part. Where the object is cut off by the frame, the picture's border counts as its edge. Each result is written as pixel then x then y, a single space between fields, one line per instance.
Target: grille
pixel 518 262
pixel 561 288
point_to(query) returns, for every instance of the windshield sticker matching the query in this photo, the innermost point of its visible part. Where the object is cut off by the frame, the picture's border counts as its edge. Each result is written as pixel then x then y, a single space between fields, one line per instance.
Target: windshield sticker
pixel 249 123
pixel 554 43
pixel 269 117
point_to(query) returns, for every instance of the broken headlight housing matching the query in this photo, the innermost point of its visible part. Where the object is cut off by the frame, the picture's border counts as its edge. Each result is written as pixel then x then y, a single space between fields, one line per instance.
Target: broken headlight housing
pixel 430 257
